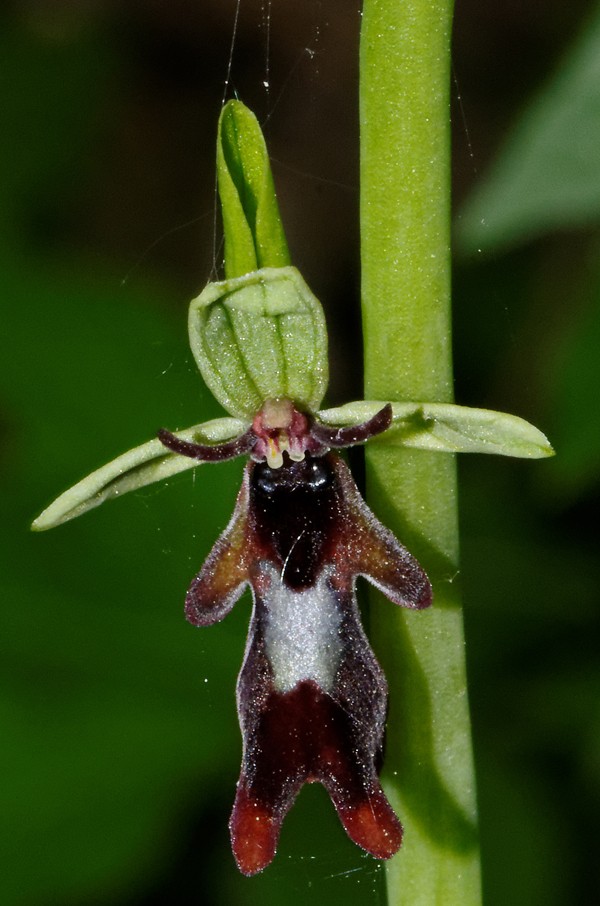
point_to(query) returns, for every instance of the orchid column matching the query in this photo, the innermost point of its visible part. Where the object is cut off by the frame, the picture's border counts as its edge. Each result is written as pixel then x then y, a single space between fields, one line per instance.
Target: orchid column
pixel 405 230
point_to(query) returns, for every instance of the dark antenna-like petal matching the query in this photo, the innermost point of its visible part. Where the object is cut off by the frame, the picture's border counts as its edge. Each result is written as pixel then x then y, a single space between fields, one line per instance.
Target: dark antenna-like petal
pixel 353 434
pixel 207 452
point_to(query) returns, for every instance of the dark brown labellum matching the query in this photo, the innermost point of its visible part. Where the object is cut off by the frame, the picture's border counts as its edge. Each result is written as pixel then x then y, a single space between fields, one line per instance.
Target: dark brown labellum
pixel 311 695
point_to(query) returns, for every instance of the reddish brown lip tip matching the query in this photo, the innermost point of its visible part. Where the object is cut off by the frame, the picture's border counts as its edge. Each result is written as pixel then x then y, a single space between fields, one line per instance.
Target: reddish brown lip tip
pixel 373 826
pixel 254 834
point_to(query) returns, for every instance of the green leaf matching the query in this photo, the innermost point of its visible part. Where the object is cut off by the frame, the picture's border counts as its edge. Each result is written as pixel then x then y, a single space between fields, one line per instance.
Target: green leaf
pixel 548 174
pixel 254 236
pixel 447 428
pixel 135 469
pixel 259 337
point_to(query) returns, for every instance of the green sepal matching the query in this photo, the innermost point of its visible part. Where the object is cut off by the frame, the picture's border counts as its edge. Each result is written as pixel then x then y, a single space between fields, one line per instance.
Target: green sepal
pixel 135 469
pixel 259 337
pixel 254 236
pixel 447 428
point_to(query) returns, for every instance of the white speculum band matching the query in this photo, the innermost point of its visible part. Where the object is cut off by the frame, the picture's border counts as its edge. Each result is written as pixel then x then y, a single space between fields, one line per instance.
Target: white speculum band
pixel 302 633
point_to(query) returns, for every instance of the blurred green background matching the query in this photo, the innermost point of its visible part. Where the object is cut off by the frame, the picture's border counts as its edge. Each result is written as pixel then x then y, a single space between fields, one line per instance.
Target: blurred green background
pixel 119 744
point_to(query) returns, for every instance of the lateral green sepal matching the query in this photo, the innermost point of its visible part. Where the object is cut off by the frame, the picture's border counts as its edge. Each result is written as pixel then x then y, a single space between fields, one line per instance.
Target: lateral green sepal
pixel 448 428
pixel 260 336
pixel 135 469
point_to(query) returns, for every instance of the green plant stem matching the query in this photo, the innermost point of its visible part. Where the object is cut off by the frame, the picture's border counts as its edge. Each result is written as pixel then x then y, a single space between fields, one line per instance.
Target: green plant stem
pixel 405 245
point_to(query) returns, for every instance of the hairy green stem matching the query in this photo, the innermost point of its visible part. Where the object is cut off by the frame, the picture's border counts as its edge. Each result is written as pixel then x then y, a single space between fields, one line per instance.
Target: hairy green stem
pixel 405 246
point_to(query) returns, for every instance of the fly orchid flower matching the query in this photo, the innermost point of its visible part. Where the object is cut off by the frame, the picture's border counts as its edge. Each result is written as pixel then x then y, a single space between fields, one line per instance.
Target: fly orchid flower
pixel 311 695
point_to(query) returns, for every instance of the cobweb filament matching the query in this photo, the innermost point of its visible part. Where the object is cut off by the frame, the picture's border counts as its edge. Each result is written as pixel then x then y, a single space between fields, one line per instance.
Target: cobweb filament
pixel 266 24
pixel 234 32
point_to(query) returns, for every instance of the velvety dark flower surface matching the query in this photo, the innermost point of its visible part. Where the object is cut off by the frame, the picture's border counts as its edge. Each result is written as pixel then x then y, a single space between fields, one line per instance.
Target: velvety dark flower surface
pixel 311 695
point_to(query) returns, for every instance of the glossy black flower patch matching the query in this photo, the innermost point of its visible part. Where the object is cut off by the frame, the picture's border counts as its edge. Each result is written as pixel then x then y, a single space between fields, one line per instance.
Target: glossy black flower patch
pixel 311 695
